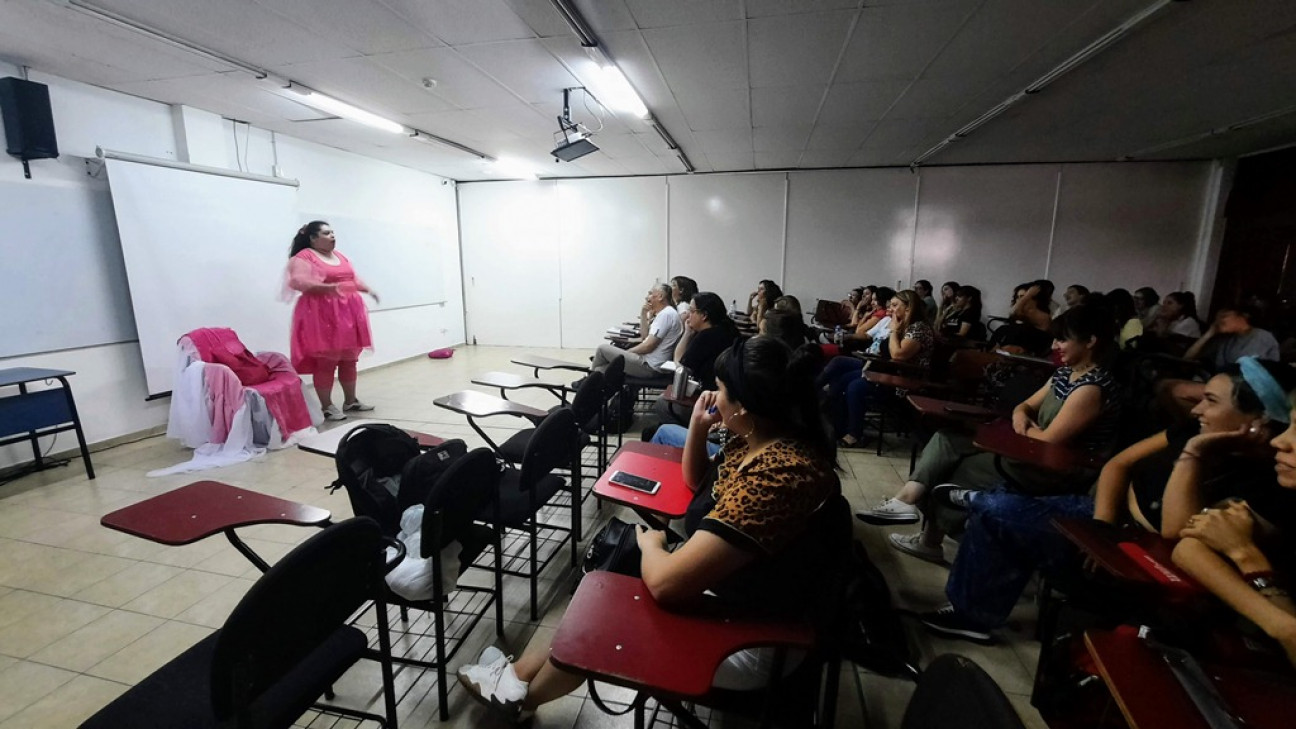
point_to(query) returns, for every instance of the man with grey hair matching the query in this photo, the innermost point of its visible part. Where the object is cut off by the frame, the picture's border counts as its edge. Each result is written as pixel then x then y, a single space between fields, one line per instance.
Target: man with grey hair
pixel 659 323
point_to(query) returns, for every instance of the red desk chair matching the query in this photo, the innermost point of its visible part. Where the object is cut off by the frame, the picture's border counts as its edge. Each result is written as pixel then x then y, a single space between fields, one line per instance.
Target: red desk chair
pixel 615 632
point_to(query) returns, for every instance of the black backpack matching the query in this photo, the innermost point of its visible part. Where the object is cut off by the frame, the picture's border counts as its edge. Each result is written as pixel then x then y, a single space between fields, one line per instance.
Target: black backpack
pixel 873 636
pixel 421 472
pixel 371 461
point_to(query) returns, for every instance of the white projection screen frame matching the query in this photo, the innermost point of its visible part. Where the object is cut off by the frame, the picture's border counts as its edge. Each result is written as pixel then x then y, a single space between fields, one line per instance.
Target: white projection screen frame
pixel 202 250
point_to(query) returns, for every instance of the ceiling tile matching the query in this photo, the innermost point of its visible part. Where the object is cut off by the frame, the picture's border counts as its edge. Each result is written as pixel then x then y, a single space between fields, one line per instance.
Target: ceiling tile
pixel 724 142
pixel 636 61
pixel 891 134
pixel 366 26
pixel 825 158
pixel 717 109
pixel 933 99
pixel 525 67
pixel 540 17
pixel 1000 35
pixel 843 137
pixel 617 146
pixel 800 49
pixel 726 162
pixel 459 22
pixel 459 82
pixel 765 8
pixel 606 15
pixel 777 160
pixel 847 104
pixel 898 41
pixel 239 28
pixel 701 57
pixel 786 106
pixel 366 84
pixel 880 158
pixel 780 139
pixel 474 128
pixel 673 13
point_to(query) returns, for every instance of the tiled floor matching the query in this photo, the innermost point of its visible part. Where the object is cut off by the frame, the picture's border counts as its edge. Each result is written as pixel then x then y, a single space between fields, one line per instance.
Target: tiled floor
pixel 86 611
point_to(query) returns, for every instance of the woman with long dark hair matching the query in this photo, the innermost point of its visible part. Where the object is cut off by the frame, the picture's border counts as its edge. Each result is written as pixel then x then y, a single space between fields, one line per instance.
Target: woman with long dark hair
pixel 330 324
pixel 749 524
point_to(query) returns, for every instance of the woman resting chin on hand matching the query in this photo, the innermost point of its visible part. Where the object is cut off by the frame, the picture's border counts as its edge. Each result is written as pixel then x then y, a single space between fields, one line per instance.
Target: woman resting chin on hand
pixel 1219 550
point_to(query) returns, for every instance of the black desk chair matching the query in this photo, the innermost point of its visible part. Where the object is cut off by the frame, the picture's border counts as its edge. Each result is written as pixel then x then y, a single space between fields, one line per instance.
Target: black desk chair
pixel 525 491
pixel 955 693
pixel 283 646
pixel 585 405
pixel 450 509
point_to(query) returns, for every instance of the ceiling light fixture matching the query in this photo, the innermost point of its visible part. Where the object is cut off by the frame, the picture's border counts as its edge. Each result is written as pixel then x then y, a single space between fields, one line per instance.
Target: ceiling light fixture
pixel 1084 54
pixel 161 36
pixel 330 105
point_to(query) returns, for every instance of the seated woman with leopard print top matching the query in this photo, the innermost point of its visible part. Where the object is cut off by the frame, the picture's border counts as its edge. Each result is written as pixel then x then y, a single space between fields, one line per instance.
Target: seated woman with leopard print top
pixel 756 521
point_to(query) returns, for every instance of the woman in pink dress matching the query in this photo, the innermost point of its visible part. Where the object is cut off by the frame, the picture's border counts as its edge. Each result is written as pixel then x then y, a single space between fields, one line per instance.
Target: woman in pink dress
pixel 330 323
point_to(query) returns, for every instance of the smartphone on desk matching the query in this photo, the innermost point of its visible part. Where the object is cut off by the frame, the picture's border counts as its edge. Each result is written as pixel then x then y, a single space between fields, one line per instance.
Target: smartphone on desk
pixel 637 483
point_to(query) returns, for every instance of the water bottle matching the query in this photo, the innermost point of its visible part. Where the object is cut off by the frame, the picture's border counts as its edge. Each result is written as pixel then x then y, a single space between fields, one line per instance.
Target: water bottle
pixel 837 335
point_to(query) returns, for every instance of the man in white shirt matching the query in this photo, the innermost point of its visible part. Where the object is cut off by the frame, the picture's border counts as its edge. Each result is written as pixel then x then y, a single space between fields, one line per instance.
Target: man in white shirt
pixel 660 336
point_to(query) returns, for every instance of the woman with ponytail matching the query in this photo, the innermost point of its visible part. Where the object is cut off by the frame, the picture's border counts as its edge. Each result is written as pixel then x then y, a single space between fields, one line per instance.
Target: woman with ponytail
pixel 751 524
pixel 330 324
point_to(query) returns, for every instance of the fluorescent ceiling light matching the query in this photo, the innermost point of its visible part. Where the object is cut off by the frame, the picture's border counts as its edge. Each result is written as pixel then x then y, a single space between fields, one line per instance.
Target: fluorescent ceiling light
pixel 510 168
pixel 330 105
pixel 617 93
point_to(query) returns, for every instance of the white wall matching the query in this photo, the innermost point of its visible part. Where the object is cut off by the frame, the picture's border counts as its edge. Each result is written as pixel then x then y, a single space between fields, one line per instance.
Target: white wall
pixel 109 385
pixel 819 233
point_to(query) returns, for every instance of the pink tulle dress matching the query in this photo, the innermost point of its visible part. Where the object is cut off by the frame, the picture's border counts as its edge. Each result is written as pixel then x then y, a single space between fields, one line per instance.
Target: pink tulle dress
pixel 327 326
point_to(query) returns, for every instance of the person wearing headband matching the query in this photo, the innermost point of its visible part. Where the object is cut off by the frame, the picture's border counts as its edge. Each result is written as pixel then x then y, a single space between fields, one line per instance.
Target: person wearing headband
pixel 1246 559
pixel 760 521
pixel 1157 484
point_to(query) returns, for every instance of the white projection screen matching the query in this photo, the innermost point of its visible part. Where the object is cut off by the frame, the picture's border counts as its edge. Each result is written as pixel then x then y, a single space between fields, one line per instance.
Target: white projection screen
pixel 201 250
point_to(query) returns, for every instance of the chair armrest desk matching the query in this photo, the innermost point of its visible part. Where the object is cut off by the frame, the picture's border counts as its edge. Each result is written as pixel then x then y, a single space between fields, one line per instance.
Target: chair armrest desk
pixel 203 508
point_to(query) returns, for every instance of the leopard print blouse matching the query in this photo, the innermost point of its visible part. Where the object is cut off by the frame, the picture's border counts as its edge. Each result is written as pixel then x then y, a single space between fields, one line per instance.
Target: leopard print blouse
pixel 766 504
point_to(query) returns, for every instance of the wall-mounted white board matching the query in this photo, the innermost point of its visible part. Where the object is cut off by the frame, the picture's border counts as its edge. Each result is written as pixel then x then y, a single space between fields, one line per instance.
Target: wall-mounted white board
pixel 401 261
pixel 68 284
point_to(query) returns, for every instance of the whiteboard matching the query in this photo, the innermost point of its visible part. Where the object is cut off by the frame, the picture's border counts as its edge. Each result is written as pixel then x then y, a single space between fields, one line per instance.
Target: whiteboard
pixel 610 232
pixel 201 250
pixel 848 228
pixel 512 275
pixel 68 287
pixel 398 260
pixel 726 232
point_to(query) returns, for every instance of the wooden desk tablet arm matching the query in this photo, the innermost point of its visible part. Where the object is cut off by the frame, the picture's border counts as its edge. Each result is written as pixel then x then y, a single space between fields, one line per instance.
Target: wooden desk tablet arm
pixel 616 633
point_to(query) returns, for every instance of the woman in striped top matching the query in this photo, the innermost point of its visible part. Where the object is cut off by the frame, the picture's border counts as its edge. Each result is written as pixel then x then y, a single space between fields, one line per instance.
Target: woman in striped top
pixel 1078 406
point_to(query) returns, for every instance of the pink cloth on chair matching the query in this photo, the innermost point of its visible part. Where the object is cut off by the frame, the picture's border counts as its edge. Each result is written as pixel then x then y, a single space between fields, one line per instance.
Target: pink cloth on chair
pixel 283 395
pixel 226 398
pixel 270 374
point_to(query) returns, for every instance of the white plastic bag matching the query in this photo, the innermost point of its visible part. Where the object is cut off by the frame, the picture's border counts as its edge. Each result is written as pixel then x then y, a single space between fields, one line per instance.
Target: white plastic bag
pixel 412 578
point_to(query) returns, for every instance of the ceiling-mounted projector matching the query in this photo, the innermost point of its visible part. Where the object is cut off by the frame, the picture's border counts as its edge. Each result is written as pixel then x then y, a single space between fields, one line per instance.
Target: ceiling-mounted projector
pixel 575 147
pixel 572 139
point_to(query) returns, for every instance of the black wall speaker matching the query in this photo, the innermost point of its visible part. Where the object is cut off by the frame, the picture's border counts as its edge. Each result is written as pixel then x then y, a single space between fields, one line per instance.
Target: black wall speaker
pixel 28 121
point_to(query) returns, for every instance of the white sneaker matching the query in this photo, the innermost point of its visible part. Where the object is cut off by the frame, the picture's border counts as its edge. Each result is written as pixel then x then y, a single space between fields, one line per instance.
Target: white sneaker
pixel 332 413
pixel 355 406
pixel 890 511
pixel 912 544
pixel 494 682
